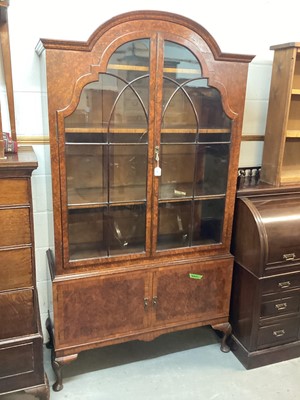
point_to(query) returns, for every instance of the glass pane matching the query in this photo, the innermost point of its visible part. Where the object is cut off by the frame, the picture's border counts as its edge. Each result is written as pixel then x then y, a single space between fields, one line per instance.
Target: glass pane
pixel 86 181
pixel 86 233
pixel 189 102
pixel 94 111
pixel 177 164
pixel 126 229
pixel 211 169
pixel 213 136
pixel 192 107
pixel 180 61
pixel 134 54
pixel 117 103
pixel 210 109
pixel 128 173
pixel 208 221
pixel 174 225
pixel 130 63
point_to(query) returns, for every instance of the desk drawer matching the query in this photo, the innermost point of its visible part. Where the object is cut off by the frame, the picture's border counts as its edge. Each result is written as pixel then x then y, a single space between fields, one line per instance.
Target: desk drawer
pixel 21 363
pixel 284 331
pixel 15 227
pixel 16 268
pixel 17 313
pixel 282 305
pixel 280 283
pixel 14 192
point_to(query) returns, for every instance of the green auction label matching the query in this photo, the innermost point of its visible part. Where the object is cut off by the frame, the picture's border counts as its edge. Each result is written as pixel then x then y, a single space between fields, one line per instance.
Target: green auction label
pixel 195 276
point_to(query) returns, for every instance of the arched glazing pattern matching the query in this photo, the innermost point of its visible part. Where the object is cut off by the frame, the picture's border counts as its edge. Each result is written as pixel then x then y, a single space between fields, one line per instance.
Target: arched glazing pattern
pixel 194 154
pixel 106 158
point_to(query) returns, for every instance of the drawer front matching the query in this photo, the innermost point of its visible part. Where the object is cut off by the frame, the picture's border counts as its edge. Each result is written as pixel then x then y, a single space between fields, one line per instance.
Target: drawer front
pixel 16 360
pixel 282 305
pixel 15 227
pixel 21 364
pixel 14 192
pixel 17 314
pixel 280 283
pixel 16 268
pixel 285 331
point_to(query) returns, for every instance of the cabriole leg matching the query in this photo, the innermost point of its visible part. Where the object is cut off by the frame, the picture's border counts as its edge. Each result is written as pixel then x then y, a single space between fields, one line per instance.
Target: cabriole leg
pixel 57 364
pixel 226 329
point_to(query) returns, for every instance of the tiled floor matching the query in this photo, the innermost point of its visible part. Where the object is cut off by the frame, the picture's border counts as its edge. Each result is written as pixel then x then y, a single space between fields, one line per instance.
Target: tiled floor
pixel 179 366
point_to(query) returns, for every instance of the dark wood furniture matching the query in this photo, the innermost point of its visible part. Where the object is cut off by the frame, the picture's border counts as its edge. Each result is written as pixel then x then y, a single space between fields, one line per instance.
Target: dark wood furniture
pixel 265 304
pixel 21 340
pixel 281 161
pixel 145 121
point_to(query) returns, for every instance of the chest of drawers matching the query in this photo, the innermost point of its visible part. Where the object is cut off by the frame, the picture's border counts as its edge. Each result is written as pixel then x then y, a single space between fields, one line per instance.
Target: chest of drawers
pixel 265 304
pixel 21 340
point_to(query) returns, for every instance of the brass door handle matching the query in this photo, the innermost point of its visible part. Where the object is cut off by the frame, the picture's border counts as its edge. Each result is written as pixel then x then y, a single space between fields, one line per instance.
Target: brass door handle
pixel 146 303
pixel 154 301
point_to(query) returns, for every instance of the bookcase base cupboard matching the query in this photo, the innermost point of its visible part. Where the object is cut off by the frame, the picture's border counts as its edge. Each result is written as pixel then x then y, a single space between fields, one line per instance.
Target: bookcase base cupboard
pixel 145 121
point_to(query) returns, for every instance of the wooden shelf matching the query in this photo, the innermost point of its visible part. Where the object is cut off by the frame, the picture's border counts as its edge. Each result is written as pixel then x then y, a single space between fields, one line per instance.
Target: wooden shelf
pixel 290 174
pixel 143 68
pixel 293 133
pixel 89 198
pixel 92 197
pixel 85 130
pixel 280 165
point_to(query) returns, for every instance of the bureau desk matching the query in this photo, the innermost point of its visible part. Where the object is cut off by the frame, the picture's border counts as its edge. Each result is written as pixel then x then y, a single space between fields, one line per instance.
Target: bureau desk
pixel 265 303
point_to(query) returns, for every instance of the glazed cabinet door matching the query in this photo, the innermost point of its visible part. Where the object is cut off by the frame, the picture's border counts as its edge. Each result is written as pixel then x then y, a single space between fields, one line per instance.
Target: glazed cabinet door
pixel 192 292
pixel 192 150
pixel 146 156
pixel 108 192
pixel 101 308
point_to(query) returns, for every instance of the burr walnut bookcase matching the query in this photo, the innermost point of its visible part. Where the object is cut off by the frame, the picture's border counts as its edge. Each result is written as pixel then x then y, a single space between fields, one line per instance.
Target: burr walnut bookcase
pixel 145 121
pixel 281 156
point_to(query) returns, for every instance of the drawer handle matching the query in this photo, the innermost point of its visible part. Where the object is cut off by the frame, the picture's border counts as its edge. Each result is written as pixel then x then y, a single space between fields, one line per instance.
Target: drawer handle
pixel 279 333
pixel 284 285
pixel 281 306
pixel 289 257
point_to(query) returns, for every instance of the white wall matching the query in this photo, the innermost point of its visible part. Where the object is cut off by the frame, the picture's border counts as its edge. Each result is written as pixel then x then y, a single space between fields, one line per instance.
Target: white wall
pixel 237 26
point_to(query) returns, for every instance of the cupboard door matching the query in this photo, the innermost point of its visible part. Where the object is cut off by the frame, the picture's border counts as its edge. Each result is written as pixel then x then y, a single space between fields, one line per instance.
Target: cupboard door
pixel 192 149
pixel 192 292
pixel 101 308
pixel 106 142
